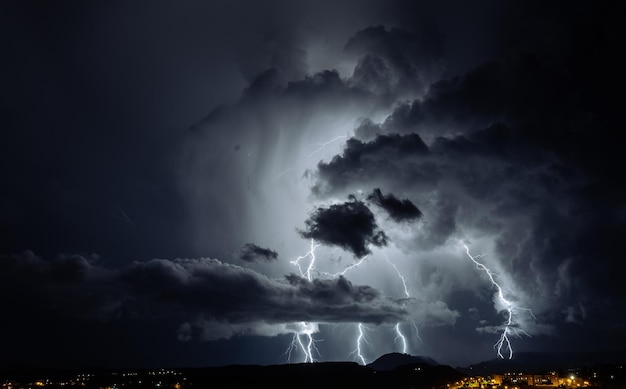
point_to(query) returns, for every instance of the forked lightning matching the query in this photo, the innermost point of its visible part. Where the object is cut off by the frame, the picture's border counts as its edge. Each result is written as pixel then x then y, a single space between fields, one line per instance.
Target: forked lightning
pixel 510 327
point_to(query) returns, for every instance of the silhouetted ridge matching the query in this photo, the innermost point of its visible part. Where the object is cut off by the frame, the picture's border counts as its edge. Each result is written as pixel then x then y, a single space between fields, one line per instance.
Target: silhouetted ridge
pixel 538 362
pixel 392 361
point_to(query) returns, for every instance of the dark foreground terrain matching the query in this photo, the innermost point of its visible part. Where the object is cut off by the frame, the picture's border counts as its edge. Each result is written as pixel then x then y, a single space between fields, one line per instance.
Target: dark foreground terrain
pixel 390 371
pixel 311 375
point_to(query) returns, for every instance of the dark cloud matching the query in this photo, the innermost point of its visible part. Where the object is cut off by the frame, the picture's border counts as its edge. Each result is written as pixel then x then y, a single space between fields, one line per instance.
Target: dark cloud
pixel 372 161
pixel 67 286
pixel 77 287
pixel 324 87
pixel 395 61
pixel 503 90
pixel 367 130
pixel 235 294
pixel 515 149
pixel 398 210
pixel 250 252
pixel 350 225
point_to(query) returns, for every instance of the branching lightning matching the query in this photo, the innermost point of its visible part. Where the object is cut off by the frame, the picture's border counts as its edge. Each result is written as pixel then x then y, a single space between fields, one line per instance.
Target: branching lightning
pixel 308 328
pixel 311 255
pixel 306 267
pixel 509 327
pixel 292 346
pixel 360 335
pixel 307 346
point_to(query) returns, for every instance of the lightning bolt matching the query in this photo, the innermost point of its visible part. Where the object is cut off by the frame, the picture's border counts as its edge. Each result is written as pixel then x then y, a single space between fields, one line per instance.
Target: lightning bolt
pixel 406 289
pixel 309 328
pixel 311 255
pixel 292 346
pixel 322 146
pixel 307 346
pixel 509 327
pixel 401 337
pixel 360 335
pixel 357 352
pixel 399 334
pixel 417 332
pixel 360 338
pixel 306 267
pixel 344 271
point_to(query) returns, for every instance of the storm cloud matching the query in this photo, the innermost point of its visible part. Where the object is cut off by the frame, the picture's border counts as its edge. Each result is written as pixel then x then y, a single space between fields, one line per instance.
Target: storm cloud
pixel 188 130
pixel 395 62
pixel 77 286
pixel 398 210
pixel 504 156
pixel 350 225
pixel 364 161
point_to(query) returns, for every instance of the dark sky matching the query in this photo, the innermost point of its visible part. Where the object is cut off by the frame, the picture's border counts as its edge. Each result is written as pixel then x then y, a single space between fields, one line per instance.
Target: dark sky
pixel 167 167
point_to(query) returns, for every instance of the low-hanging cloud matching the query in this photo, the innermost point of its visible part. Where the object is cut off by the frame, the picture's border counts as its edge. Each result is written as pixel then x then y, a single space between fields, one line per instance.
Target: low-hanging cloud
pixel 201 290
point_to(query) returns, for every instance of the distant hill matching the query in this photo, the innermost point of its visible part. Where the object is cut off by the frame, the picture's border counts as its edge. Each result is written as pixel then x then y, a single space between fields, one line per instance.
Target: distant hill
pixel 326 375
pixel 392 361
pixel 537 362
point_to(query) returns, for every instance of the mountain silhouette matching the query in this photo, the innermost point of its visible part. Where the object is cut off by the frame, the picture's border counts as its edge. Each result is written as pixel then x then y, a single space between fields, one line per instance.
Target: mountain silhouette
pixel 538 362
pixel 393 361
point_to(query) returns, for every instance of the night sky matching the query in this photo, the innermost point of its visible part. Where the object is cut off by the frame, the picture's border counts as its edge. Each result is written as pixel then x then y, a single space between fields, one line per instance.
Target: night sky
pixel 165 164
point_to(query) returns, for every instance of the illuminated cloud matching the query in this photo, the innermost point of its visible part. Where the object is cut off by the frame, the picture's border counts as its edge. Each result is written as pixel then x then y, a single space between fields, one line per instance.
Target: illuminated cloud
pixel 475 130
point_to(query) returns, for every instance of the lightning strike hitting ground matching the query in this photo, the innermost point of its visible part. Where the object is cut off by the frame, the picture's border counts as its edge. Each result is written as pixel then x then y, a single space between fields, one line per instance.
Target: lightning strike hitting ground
pixel 509 326
pixel 399 333
pixel 360 338
pixel 401 337
pixel 308 349
pixel 309 328
pixel 307 346
pixel 292 346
